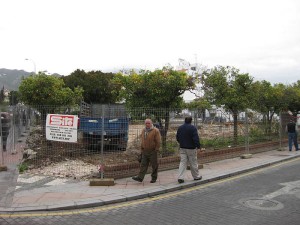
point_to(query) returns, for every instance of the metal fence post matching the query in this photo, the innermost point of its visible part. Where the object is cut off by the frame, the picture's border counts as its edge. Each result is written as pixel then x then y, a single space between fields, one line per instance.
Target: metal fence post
pixel 2 166
pixel 102 143
pixel 280 131
pixel 247 155
pixel 247 133
pixel 1 141
pixel 13 130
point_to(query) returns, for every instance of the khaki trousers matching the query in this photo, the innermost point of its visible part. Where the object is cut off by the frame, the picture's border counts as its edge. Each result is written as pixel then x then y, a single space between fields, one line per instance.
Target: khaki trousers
pixel 188 156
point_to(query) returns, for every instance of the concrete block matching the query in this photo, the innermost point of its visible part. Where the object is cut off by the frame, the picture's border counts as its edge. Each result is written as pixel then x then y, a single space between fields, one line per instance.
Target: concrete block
pixel 3 168
pixel 200 166
pixel 246 156
pixel 102 182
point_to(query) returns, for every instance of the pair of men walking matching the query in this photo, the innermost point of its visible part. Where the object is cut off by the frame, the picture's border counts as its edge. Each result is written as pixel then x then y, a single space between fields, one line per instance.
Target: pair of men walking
pixel 189 141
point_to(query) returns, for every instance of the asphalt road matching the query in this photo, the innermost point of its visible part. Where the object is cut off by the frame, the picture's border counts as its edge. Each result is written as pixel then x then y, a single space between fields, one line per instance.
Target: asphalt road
pixel 270 196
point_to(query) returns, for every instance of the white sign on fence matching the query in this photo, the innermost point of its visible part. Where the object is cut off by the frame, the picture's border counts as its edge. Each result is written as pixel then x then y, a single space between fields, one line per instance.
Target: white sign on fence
pixel 61 127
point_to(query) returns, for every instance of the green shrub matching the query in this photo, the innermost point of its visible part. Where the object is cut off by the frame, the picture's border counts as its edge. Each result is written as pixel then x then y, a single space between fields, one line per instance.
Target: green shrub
pixel 221 142
pixel 22 167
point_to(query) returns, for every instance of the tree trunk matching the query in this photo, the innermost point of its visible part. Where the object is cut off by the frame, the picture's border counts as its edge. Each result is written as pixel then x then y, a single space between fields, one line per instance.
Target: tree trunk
pixel 164 132
pixel 235 128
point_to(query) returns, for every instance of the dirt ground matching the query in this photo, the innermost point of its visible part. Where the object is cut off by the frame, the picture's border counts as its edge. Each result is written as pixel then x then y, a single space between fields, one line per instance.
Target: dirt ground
pixel 75 160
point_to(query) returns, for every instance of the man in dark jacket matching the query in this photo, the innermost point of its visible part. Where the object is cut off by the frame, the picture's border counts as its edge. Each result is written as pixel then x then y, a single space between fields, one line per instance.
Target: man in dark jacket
pixel 188 139
pixel 292 134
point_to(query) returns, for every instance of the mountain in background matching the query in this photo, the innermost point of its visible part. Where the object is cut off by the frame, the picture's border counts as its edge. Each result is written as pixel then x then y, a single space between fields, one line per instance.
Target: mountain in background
pixel 11 79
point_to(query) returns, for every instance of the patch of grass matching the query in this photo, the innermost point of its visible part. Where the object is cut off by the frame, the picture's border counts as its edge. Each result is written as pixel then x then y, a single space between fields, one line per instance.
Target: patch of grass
pixel 22 167
pixel 222 142
pixel 170 149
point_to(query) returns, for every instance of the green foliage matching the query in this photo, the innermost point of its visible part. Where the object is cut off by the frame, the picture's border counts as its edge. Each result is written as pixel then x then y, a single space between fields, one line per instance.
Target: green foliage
pixel 22 167
pixel 263 132
pixel 216 143
pixel 199 103
pixel 98 87
pixel 2 96
pixel 170 149
pixel 43 90
pixel 158 89
pixel 256 132
pixel 292 97
pixel 228 87
pixel 4 107
pixel 269 99
pixel 227 142
pixel 13 97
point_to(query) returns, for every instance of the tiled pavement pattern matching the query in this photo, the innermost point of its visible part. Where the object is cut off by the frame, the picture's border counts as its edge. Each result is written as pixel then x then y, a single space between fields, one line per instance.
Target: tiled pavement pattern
pixel 31 193
pixel 29 182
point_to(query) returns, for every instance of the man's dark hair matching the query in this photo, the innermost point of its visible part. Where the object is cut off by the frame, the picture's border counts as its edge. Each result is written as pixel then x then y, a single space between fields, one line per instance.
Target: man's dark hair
pixel 188 119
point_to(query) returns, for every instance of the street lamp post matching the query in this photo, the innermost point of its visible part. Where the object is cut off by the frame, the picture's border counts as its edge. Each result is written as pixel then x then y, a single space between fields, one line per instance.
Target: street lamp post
pixel 34 65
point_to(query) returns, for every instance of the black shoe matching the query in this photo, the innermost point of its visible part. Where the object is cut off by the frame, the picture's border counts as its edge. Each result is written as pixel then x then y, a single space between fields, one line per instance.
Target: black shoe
pixel 152 181
pixel 180 181
pixel 198 178
pixel 136 178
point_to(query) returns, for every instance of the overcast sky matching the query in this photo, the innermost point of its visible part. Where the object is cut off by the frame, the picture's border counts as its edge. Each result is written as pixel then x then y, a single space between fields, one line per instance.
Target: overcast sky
pixel 259 37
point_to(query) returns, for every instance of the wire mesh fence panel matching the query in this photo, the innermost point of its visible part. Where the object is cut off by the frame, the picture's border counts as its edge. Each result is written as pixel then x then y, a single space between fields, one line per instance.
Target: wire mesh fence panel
pixel 86 140
pixel 219 130
pixel 13 126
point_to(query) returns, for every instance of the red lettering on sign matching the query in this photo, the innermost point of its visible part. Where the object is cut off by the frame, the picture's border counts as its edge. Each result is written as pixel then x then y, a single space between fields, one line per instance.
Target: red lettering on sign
pixel 61 120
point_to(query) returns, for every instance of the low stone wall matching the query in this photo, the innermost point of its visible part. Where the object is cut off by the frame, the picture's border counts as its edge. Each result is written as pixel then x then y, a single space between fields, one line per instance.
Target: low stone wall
pixel 172 162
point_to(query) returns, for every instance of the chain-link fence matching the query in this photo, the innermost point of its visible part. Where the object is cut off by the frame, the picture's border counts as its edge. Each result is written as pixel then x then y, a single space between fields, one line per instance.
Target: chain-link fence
pixel 81 141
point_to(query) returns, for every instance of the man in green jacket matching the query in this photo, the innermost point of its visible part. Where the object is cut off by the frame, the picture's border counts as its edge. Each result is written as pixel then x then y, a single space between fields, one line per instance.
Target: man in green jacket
pixel 150 144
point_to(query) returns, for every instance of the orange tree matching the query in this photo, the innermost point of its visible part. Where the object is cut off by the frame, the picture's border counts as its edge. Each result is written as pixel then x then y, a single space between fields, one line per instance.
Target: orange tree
pixel 227 87
pixel 158 92
pixel 45 93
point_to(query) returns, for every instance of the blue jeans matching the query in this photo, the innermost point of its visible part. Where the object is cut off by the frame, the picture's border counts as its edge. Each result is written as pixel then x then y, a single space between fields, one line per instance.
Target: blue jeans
pixel 293 139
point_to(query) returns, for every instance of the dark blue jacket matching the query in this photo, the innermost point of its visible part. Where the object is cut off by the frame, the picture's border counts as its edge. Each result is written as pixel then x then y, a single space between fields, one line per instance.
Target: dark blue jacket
pixel 187 136
pixel 291 127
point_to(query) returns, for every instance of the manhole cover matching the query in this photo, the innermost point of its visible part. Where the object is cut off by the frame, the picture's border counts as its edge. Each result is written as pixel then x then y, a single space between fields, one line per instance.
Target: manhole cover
pixel 263 204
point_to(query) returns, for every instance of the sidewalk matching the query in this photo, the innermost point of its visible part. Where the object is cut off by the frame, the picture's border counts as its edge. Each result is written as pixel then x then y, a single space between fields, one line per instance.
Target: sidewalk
pixel 32 193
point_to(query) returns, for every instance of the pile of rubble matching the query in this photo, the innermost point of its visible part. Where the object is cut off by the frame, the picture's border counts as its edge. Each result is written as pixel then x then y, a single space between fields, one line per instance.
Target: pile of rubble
pixel 81 166
pixel 75 169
